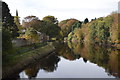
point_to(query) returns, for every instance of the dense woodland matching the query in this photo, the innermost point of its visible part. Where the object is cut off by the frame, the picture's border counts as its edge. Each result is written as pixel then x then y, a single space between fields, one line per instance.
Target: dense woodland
pixel 103 30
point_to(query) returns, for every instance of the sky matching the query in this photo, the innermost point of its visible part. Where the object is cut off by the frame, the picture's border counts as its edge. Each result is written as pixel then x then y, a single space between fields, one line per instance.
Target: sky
pixel 63 9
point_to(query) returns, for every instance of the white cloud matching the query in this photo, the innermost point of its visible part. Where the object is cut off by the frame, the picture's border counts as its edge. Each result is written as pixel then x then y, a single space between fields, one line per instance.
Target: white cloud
pixel 63 9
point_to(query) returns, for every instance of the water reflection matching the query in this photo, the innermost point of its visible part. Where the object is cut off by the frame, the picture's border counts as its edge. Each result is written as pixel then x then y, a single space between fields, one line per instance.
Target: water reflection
pixel 67 53
pixel 31 72
pixel 100 55
pixel 48 64
pixel 106 58
pixel 84 60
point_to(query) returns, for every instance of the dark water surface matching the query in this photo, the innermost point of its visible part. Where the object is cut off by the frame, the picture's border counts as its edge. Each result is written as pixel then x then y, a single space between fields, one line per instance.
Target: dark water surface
pixel 76 61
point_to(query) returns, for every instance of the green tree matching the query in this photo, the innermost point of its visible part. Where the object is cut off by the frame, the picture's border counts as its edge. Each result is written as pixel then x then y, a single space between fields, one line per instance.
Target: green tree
pixel 9 28
pixel 50 19
pixel 50 29
pixel 32 35
pixel 17 21
pixel 99 30
pixel 76 25
pixel 92 30
pixel 86 20
pixel 8 21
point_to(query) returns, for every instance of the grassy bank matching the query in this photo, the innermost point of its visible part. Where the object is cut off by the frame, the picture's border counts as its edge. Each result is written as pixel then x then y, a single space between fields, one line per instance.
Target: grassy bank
pixel 18 62
pixel 19 52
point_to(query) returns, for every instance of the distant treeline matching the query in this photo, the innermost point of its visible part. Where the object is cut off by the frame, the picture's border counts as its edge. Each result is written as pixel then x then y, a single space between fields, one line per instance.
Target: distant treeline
pixel 103 30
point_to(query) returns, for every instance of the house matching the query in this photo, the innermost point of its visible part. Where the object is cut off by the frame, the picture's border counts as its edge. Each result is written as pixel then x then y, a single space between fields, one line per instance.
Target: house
pixel 18 42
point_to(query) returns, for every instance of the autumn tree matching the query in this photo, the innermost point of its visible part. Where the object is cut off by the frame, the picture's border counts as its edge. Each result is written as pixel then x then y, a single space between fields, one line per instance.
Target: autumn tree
pixel 76 36
pixel 30 21
pixel 66 26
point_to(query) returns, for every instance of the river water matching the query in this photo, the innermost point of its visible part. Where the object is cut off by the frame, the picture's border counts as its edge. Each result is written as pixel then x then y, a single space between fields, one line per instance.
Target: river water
pixel 76 61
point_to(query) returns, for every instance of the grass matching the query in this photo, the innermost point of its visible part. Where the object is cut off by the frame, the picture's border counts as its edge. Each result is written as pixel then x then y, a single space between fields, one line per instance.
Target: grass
pixel 21 53
pixel 24 49
pixel 19 61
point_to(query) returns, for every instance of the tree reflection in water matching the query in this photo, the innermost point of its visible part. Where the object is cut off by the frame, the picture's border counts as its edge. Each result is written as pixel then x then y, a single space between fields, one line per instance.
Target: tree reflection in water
pixel 84 60
pixel 49 64
pixel 104 57
pixel 67 53
pixel 107 58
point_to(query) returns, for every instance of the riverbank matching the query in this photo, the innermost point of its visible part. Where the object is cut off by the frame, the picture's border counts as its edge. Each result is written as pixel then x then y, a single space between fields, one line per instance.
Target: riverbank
pixel 20 62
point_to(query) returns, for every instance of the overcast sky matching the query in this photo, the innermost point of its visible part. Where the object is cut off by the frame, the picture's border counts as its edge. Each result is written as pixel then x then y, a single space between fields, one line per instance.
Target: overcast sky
pixel 63 9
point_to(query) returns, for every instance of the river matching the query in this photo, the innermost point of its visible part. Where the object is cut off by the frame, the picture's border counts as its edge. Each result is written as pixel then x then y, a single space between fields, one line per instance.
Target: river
pixel 76 61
